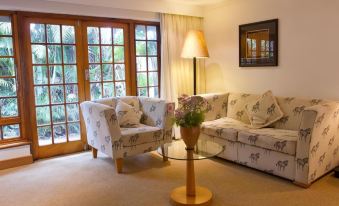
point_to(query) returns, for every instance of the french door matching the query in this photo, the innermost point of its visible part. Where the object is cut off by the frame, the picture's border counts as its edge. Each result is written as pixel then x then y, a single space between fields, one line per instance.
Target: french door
pixel 54 64
pixel 106 59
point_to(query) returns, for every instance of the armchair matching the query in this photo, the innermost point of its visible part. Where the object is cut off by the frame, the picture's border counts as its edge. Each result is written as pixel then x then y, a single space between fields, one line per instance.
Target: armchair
pixel 105 135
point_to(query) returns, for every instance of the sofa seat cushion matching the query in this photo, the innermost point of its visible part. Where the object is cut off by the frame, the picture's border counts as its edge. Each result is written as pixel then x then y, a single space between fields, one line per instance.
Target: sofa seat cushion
pixel 140 135
pixel 284 141
pixel 225 128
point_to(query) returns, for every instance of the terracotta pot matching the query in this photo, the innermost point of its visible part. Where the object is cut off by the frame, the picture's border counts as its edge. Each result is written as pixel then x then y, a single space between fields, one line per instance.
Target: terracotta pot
pixel 190 136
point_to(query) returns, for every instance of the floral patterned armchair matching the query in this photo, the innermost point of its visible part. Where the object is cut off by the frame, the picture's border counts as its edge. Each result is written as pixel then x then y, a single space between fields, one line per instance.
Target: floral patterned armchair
pixel 105 135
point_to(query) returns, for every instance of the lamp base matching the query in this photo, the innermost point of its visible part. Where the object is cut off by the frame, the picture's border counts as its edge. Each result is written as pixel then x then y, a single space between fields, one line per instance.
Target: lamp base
pixel 336 172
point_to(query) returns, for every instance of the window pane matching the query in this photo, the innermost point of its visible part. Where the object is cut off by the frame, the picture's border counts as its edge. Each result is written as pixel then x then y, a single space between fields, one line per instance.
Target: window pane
pixel 39 54
pixel 107 72
pixel 120 89
pixel 153 92
pixel 118 35
pixel 7 87
pixel 72 93
pixel 69 55
pixel 11 131
pixel 106 54
pixel 57 94
pixel 54 54
pixel 6 46
pixel 142 79
pixel 68 34
pixel 96 92
pixel 5 25
pixel 74 132
pixel 41 95
pixel 152 63
pixel 140 32
pixel 58 114
pixel 141 64
pixel 93 35
pixel 119 54
pixel 9 107
pixel 53 33
pixel 45 135
pixel 40 74
pixel 72 112
pixel 43 115
pixel 151 32
pixel 70 73
pixel 94 54
pixel 152 48
pixel 37 33
pixel 142 92
pixel 119 72
pixel 94 72
pixel 153 79
pixel 140 48
pixel 106 35
pixel 59 133
pixel 108 89
pixel 7 67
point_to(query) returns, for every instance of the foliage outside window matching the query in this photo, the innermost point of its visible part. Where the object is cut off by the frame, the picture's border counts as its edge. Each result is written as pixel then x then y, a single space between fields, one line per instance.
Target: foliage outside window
pixel 9 107
pixel 147 60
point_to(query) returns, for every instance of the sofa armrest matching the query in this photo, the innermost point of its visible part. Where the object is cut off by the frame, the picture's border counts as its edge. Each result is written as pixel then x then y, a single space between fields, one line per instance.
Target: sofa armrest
pixel 318 142
pixel 101 125
pixel 216 105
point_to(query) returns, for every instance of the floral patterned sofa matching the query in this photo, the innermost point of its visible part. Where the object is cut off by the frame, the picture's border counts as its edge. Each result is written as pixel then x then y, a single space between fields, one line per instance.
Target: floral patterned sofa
pixel 105 135
pixel 302 146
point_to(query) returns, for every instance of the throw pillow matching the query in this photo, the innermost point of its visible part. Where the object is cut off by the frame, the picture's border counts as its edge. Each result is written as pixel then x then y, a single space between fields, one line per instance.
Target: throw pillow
pixel 128 116
pixel 264 111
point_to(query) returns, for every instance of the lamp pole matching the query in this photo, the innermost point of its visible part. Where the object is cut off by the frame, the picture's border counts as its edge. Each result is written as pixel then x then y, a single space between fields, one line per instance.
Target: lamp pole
pixel 194 75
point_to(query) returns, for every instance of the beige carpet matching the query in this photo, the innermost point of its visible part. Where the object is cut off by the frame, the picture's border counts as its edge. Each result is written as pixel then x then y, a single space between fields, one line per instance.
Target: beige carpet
pixel 80 180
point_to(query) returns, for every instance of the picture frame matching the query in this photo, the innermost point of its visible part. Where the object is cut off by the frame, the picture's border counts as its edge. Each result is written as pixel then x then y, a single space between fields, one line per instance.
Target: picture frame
pixel 258 44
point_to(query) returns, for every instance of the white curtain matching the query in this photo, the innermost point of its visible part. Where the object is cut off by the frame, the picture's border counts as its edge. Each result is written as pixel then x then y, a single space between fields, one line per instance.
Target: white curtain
pixel 176 72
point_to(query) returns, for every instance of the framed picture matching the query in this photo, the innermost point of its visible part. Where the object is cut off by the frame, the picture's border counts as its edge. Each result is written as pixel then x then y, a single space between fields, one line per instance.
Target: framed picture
pixel 258 44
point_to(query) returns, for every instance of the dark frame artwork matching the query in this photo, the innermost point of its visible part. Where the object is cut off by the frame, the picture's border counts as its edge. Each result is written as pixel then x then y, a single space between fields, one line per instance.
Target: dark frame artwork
pixel 258 44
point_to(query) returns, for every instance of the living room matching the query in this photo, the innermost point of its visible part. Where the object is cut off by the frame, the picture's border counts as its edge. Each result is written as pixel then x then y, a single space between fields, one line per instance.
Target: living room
pixel 196 102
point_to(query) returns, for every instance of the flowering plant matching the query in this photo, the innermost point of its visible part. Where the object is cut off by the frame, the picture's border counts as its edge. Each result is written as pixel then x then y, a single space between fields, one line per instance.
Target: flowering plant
pixel 191 111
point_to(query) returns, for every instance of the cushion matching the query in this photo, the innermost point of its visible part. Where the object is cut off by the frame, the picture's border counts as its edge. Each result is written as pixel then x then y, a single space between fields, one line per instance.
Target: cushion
pixel 264 111
pixel 127 115
pixel 225 128
pixel 279 140
pixel 236 105
pixel 140 135
pixel 216 105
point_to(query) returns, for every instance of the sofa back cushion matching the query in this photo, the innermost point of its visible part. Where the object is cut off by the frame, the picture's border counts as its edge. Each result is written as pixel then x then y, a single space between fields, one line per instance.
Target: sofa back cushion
pixel 292 108
pixel 217 105
pixel 236 105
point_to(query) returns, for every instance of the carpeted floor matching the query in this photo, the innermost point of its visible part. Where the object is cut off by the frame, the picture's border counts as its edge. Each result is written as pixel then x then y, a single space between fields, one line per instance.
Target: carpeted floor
pixel 80 180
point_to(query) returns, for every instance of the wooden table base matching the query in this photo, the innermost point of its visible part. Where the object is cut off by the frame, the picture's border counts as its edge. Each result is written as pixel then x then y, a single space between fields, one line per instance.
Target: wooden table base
pixel 202 196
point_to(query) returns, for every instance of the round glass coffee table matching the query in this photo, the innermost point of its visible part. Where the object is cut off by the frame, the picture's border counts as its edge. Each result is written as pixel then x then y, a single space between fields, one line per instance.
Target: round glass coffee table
pixel 190 194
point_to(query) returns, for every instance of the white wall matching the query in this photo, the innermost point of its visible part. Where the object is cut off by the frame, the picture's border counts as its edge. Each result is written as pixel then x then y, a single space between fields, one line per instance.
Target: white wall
pixel 308 48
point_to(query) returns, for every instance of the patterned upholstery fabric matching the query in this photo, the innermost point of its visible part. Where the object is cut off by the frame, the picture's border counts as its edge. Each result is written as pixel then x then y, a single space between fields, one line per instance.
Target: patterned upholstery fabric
pixel 105 134
pixel 293 108
pixel 236 106
pixel 279 140
pixel 264 111
pixel 225 128
pixel 217 106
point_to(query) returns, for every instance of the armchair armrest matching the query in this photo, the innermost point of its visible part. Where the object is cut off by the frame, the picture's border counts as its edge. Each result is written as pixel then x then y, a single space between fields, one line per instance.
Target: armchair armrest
pixel 318 142
pixel 101 125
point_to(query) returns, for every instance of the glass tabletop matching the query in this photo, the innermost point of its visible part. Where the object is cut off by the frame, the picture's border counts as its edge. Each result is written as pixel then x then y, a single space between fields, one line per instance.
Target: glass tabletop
pixel 204 149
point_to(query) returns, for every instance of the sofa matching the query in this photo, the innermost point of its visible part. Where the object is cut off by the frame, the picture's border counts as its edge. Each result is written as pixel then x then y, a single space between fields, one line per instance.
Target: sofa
pixel 302 146
pixel 105 135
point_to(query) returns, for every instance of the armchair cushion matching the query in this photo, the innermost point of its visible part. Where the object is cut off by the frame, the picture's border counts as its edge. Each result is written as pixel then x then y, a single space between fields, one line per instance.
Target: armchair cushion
pixel 140 135
pixel 128 116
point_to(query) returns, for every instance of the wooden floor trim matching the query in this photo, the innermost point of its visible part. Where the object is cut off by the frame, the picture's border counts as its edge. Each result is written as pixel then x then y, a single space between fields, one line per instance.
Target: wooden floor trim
pixel 5 164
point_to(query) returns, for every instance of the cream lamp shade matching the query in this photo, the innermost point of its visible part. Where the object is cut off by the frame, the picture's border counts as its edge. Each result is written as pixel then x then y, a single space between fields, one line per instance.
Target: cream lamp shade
pixel 194 45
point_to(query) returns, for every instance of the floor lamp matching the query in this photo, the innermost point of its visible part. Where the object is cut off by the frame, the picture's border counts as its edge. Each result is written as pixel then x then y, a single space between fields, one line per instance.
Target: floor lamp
pixel 194 48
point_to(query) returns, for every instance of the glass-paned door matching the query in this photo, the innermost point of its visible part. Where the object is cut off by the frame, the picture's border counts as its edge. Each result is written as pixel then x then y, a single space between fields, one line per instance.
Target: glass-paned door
pixel 53 49
pixel 107 63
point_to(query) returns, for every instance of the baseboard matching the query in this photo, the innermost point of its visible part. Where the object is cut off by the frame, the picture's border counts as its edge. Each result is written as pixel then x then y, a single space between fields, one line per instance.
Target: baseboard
pixel 5 164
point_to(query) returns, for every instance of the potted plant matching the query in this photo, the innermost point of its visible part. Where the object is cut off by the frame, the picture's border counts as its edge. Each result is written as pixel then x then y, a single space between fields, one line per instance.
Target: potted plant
pixel 189 116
